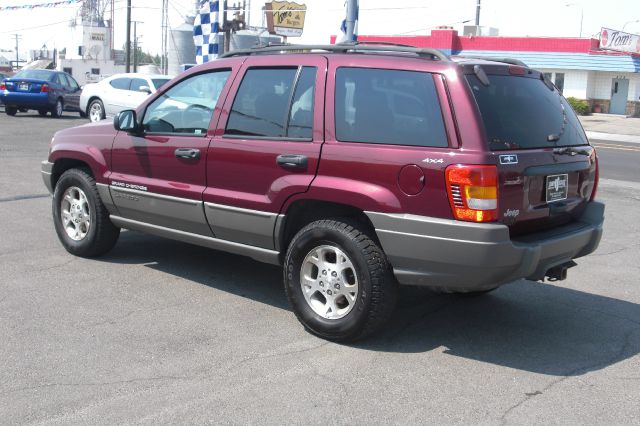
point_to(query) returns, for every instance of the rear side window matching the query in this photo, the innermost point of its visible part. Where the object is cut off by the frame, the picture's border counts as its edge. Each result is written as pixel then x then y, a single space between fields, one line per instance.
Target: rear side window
pixel 120 83
pixel 524 112
pixel 274 103
pixel 388 107
pixel 137 83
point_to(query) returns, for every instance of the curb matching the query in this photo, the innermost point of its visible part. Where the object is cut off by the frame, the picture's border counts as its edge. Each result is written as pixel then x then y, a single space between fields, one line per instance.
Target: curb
pixel 612 137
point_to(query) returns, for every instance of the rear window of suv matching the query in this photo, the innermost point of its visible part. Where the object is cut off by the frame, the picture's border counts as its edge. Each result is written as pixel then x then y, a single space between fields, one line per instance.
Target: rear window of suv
pixel 393 107
pixel 524 112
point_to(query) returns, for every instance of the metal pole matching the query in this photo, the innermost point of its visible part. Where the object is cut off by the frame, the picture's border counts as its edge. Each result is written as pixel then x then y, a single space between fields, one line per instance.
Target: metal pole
pixel 581 19
pixel 135 46
pixel 352 13
pixel 127 48
pixel 478 14
pixel 17 58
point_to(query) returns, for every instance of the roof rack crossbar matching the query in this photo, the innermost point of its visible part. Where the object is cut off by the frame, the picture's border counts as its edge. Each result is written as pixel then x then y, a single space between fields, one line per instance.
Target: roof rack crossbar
pixel 510 61
pixel 341 48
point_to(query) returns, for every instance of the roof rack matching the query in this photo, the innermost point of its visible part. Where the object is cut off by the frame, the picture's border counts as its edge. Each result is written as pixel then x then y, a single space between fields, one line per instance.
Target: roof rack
pixel 341 48
pixel 510 61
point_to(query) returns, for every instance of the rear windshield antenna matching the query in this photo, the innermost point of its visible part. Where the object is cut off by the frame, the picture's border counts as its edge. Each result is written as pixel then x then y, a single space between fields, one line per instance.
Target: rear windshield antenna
pixel 482 76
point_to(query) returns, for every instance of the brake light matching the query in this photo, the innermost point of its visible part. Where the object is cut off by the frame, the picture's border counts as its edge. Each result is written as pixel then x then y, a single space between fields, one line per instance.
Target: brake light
pixel 596 178
pixel 44 88
pixel 3 86
pixel 473 192
pixel 516 70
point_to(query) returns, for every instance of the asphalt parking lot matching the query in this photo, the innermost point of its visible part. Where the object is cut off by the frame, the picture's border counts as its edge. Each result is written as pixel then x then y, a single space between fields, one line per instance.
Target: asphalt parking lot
pixel 163 332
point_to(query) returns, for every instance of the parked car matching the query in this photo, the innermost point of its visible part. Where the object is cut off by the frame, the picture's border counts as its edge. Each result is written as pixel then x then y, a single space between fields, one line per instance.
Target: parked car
pixel 118 92
pixel 356 167
pixel 42 90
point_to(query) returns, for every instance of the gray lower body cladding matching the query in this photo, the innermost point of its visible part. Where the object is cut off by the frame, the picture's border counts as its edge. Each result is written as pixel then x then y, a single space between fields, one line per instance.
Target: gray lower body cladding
pixel 46 168
pixel 468 256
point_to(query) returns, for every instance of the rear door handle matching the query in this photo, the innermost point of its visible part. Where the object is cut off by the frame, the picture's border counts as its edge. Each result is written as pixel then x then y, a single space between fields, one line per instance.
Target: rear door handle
pixel 292 161
pixel 188 153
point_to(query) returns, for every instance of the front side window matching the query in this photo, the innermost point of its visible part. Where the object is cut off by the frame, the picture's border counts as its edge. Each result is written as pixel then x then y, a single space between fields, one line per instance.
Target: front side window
pixel 186 108
pixel 388 107
pixel 264 105
pixel 72 83
pixel 159 82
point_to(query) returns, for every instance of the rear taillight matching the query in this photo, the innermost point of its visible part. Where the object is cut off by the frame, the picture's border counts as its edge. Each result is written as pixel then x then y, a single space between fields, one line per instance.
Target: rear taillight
pixel 3 86
pixel 44 88
pixel 596 178
pixel 473 192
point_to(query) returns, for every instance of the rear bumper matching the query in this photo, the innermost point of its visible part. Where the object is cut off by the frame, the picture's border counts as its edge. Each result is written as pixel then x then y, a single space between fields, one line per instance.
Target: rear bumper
pixel 468 256
pixel 25 100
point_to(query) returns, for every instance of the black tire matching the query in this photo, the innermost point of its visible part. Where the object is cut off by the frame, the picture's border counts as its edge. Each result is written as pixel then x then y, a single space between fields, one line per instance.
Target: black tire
pixel 102 234
pixel 42 112
pixel 95 111
pixel 11 110
pixel 82 114
pixel 377 288
pixel 56 111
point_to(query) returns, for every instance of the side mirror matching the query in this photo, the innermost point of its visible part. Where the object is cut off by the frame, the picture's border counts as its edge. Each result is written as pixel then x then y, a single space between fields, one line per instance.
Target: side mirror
pixel 145 89
pixel 127 121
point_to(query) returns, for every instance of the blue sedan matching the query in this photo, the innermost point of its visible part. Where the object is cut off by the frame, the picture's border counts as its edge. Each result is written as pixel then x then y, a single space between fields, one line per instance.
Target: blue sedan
pixel 42 90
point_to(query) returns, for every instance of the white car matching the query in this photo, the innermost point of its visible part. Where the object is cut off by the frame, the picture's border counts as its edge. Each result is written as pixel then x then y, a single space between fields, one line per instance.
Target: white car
pixel 118 92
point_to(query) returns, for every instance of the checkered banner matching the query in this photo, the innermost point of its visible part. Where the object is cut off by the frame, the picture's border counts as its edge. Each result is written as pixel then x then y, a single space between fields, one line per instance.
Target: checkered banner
pixel 205 31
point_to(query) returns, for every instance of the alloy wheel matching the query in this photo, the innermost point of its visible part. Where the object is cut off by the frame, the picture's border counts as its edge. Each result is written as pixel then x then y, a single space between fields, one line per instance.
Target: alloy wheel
pixel 329 282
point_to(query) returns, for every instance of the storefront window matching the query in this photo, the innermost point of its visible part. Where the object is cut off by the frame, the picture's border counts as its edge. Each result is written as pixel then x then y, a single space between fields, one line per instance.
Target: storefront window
pixel 559 82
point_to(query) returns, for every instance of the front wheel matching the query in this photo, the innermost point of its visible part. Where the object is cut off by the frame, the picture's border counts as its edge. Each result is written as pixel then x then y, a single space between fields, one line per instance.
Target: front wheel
pixel 338 281
pixel 80 219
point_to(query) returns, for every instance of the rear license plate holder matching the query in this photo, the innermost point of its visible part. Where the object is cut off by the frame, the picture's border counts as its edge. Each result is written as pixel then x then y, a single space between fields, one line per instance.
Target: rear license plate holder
pixel 556 187
pixel 23 87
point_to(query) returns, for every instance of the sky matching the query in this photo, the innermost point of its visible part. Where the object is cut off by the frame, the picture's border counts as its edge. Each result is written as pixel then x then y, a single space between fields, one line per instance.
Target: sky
pixel 553 18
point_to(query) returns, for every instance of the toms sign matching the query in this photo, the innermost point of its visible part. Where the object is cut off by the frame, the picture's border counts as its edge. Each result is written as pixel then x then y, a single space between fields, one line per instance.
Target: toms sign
pixel 285 18
pixel 620 41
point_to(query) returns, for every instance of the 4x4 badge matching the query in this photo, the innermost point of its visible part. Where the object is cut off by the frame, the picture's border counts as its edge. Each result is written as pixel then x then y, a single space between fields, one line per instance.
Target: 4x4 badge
pixel 509 159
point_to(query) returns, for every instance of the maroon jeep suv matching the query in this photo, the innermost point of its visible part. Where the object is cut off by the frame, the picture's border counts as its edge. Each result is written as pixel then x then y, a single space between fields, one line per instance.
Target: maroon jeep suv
pixel 355 166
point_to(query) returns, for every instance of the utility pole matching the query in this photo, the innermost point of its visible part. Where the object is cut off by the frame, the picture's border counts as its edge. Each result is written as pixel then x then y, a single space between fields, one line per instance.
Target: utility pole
pixel 127 47
pixel 478 14
pixel 135 44
pixel 237 23
pixel 352 14
pixel 165 23
pixel 18 37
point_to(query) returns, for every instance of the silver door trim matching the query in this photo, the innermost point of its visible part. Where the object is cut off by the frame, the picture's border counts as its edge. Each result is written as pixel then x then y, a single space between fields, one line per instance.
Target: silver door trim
pixel 245 226
pixel 156 195
pixel 258 253
pixel 183 214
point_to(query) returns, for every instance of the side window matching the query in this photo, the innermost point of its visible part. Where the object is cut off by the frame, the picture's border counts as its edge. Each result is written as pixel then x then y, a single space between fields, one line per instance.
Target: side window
pixel 137 83
pixel 264 105
pixel 120 83
pixel 301 114
pixel 58 80
pixel 186 108
pixel 388 107
pixel 72 83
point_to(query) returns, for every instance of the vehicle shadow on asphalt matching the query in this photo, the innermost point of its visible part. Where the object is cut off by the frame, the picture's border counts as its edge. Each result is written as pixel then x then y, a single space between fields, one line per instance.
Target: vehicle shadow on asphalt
pixel 529 326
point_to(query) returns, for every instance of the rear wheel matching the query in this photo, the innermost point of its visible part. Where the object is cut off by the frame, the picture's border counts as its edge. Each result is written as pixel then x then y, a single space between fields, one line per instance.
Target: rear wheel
pixel 11 110
pixel 82 114
pixel 42 112
pixel 338 281
pixel 80 219
pixel 56 112
pixel 96 111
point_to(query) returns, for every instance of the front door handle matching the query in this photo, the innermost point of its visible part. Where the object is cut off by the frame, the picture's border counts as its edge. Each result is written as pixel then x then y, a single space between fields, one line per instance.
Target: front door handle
pixel 188 153
pixel 292 161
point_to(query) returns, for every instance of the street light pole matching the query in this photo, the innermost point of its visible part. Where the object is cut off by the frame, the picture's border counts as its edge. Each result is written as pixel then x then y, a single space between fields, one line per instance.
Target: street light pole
pixel 581 14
